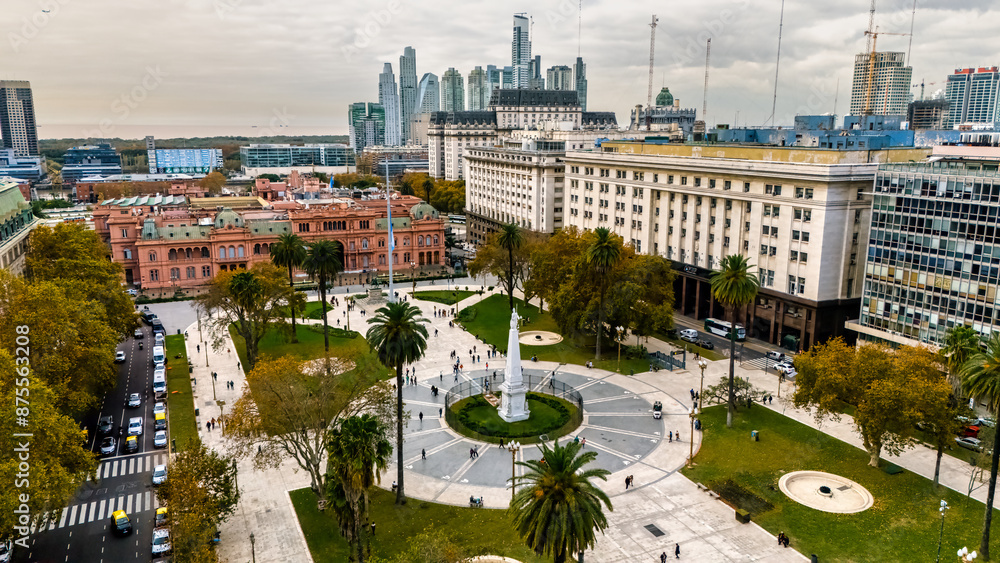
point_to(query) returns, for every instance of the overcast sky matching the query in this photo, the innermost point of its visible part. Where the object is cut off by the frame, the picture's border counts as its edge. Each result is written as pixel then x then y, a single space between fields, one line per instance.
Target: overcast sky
pixel 200 67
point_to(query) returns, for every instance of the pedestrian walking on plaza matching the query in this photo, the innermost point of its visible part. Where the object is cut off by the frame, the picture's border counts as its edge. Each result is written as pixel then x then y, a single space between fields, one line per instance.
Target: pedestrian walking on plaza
pixel 441 375
pixel 677 551
pixel 472 453
pixel 663 557
pixel 501 443
pixel 678 435
pixel 435 332
pixel 670 437
pixel 583 442
pixel 440 412
pixel 238 366
pixel 627 481
pixel 423 453
pixel 421 416
pixel 215 376
pixel 199 347
pixel 208 426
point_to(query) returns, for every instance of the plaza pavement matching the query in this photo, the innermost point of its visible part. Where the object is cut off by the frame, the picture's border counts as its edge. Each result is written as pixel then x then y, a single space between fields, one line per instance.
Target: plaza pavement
pixel 705 528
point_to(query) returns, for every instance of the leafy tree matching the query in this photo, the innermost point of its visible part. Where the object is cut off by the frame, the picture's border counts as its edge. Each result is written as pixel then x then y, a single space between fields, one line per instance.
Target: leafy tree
pixel 981 379
pixel 200 493
pixel 292 409
pixel 323 177
pixel 510 238
pixel 359 451
pixel 398 335
pixel 59 458
pixel 641 296
pixel 735 287
pixel 271 177
pixel 496 259
pixel 322 263
pixel 557 508
pixel 289 252
pixel 743 391
pixel 213 182
pixel 603 255
pixel 72 347
pixel 960 344
pixel 551 263
pixel 250 301
pixel 882 385
pixel 76 259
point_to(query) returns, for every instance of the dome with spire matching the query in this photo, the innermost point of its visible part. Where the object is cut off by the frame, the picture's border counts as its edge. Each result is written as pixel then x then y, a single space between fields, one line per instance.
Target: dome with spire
pixel 227 217
pixel 664 98
pixel 423 210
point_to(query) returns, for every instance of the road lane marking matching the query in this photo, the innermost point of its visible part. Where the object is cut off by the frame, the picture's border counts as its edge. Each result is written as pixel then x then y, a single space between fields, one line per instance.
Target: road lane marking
pixel 114 468
pixel 100 512
pixel 62 519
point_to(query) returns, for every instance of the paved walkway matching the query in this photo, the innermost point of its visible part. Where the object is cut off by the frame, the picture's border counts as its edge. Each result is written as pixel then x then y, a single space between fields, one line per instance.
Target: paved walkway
pixel 617 423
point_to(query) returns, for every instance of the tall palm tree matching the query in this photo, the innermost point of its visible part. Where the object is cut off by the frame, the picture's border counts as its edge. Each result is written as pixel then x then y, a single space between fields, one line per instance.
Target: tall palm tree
pixel 359 451
pixel 399 337
pixel 603 255
pixel 557 508
pixel 734 286
pixel 322 263
pixel 289 252
pixel 510 238
pixel 960 344
pixel 246 291
pixel 981 379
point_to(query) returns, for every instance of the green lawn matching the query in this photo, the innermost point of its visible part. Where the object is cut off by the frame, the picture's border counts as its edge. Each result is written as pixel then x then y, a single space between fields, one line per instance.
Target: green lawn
pixel 484 423
pixel 710 355
pixel 492 323
pixel 444 296
pixel 399 530
pixel 903 525
pixel 313 311
pixel 180 403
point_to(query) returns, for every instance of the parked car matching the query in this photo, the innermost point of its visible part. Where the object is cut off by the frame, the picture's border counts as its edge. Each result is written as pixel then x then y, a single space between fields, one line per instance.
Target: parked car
pixel 160 520
pixel 689 335
pixel 120 524
pixel 106 425
pixel 776 356
pixel 657 410
pixel 159 474
pixel 160 439
pixel 135 426
pixel 108 446
pixel 706 344
pixel 969 443
pixel 159 408
pixel 161 542
pixel 132 292
pixel 134 400
pixel 119 357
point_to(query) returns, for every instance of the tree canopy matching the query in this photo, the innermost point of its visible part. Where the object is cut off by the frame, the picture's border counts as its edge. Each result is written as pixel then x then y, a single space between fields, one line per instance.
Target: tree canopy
pixel 213 182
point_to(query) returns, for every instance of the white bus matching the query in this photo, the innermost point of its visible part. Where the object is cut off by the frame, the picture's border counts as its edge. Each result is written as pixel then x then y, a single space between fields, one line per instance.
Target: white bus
pixel 457 219
pixel 723 328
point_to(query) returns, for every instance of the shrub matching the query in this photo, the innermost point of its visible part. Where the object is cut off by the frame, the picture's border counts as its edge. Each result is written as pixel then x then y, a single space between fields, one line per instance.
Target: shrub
pixel 636 352
pixel 334 331
pixel 740 498
pixel 466 315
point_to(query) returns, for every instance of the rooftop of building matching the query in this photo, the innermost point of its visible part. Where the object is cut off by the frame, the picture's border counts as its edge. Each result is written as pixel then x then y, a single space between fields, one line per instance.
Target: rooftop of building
pixel 144 200
pixel 463 118
pixel 11 200
pixel 526 97
pixel 787 154
pixel 287 145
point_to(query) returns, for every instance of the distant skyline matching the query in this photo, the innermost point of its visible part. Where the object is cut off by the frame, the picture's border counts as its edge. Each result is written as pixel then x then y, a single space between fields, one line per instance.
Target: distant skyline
pixel 184 68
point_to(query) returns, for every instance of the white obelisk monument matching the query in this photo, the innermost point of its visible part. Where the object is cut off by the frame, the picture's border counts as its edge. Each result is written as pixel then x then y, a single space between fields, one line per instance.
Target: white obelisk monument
pixel 513 406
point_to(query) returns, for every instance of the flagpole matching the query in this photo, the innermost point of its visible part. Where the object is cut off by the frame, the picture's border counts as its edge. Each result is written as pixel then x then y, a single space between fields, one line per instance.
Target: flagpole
pixel 392 241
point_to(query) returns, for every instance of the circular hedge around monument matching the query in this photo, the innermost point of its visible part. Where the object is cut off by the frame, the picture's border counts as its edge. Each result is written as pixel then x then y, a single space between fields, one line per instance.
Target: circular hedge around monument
pixel 476 418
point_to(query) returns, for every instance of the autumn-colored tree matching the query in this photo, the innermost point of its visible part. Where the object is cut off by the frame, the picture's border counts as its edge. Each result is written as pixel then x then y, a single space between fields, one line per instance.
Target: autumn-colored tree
pixel 213 182
pixel 551 263
pixel 883 386
pixel 642 296
pixel 250 300
pixel 72 348
pixel 496 259
pixel 292 408
pixel 76 259
pixel 59 456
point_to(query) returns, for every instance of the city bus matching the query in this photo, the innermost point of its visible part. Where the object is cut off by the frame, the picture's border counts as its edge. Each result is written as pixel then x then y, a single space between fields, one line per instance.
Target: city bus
pixel 723 328
pixel 460 219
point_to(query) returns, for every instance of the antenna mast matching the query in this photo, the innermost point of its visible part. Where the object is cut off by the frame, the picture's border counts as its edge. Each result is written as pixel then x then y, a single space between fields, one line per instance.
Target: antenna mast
pixel 579 30
pixel 777 63
pixel 913 16
pixel 652 45
pixel 704 95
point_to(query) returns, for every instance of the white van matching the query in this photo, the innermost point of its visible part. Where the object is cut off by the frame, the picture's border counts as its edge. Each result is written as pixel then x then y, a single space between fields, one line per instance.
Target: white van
pixel 159 383
pixel 158 356
pixel 689 335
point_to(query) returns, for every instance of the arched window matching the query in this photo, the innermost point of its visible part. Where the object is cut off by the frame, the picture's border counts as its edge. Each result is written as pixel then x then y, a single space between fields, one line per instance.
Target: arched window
pixel 222 252
pixel 421 259
pixel 364 246
pixel 152 257
pixel 420 240
pixel 437 257
pixel 256 249
pixel 381 260
pixel 381 242
pixel 172 254
pixel 435 240
pixel 232 251
pixel 406 241
pixel 205 253
pixel 239 251
pixel 364 261
pixel 265 248
pixel 352 245
pixel 187 254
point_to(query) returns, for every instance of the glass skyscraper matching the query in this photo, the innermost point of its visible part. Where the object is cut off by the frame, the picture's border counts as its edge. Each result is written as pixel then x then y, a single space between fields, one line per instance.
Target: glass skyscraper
pixel 17 118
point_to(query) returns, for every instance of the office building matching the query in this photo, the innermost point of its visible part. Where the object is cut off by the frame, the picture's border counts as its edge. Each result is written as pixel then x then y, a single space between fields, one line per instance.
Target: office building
pixel 20 167
pixel 172 243
pixel 494 79
pixel 933 252
pixel 184 161
pixel 407 91
pixel 16 223
pixel 395 160
pixel 520 52
pixel 890 81
pixel 90 160
pixel 536 80
pixel 972 96
pixel 283 159
pixel 507 81
pixel 17 118
pixel 367 125
pixel 666 115
pixel 389 100
pixel 428 94
pixel 800 214
pixel 927 114
pixel 580 78
pixel 419 123
pixel 452 91
pixel 479 90
pixel 560 78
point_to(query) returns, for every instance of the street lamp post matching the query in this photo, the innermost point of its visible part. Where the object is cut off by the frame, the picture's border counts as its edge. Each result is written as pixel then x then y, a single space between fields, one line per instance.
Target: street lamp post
pixel 236 474
pixel 942 509
pixel 513 448
pixel 702 364
pixel 413 277
pixel 967 556
pixel 618 333
pixel 253 550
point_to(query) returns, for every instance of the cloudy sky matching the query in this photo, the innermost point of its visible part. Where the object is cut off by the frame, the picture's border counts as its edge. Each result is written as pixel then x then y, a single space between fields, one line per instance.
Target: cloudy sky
pixel 107 68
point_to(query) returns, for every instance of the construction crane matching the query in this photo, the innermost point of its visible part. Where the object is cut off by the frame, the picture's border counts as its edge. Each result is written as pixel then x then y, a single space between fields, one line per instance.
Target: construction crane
pixel 704 95
pixel 922 84
pixel 652 50
pixel 872 41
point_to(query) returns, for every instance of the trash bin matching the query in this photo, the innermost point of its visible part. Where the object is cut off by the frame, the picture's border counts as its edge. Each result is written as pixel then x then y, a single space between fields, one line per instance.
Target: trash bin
pixel 814 559
pixel 754 435
pixel 179 331
pixel 697 424
pixel 196 411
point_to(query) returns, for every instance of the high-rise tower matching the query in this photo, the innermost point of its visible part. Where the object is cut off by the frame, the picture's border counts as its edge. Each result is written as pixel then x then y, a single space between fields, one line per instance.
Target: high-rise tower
pixel 520 51
pixel 580 77
pixel 407 91
pixel 17 118
pixel 973 96
pixel 890 84
pixel 389 100
pixel 452 91
pixel 428 94
pixel 479 90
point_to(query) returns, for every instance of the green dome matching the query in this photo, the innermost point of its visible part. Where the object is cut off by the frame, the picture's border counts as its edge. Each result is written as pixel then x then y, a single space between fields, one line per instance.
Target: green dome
pixel 664 98
pixel 423 210
pixel 228 217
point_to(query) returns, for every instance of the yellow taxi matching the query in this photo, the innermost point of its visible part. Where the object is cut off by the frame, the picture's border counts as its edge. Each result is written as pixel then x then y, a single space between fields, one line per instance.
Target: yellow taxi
pixel 120 524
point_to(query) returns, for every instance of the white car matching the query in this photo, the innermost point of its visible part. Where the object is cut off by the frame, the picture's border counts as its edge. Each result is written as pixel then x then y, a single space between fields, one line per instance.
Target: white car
pixel 159 474
pixel 785 367
pixel 159 407
pixel 134 400
pixel 5 549
pixel 132 292
pixel 119 357
pixel 160 439
pixel 135 426
pixel 970 443
pixel 161 542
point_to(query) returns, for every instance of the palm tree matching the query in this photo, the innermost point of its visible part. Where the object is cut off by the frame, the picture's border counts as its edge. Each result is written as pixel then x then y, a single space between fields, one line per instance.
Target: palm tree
pixel 322 263
pixel 960 344
pixel 398 336
pixel 603 255
pixel 510 238
pixel 290 252
pixel 981 379
pixel 734 286
pixel 557 508
pixel 246 292
pixel 359 452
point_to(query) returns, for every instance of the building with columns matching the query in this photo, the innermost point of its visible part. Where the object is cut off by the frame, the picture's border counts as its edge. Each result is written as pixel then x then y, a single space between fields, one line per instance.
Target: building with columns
pixel 168 244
